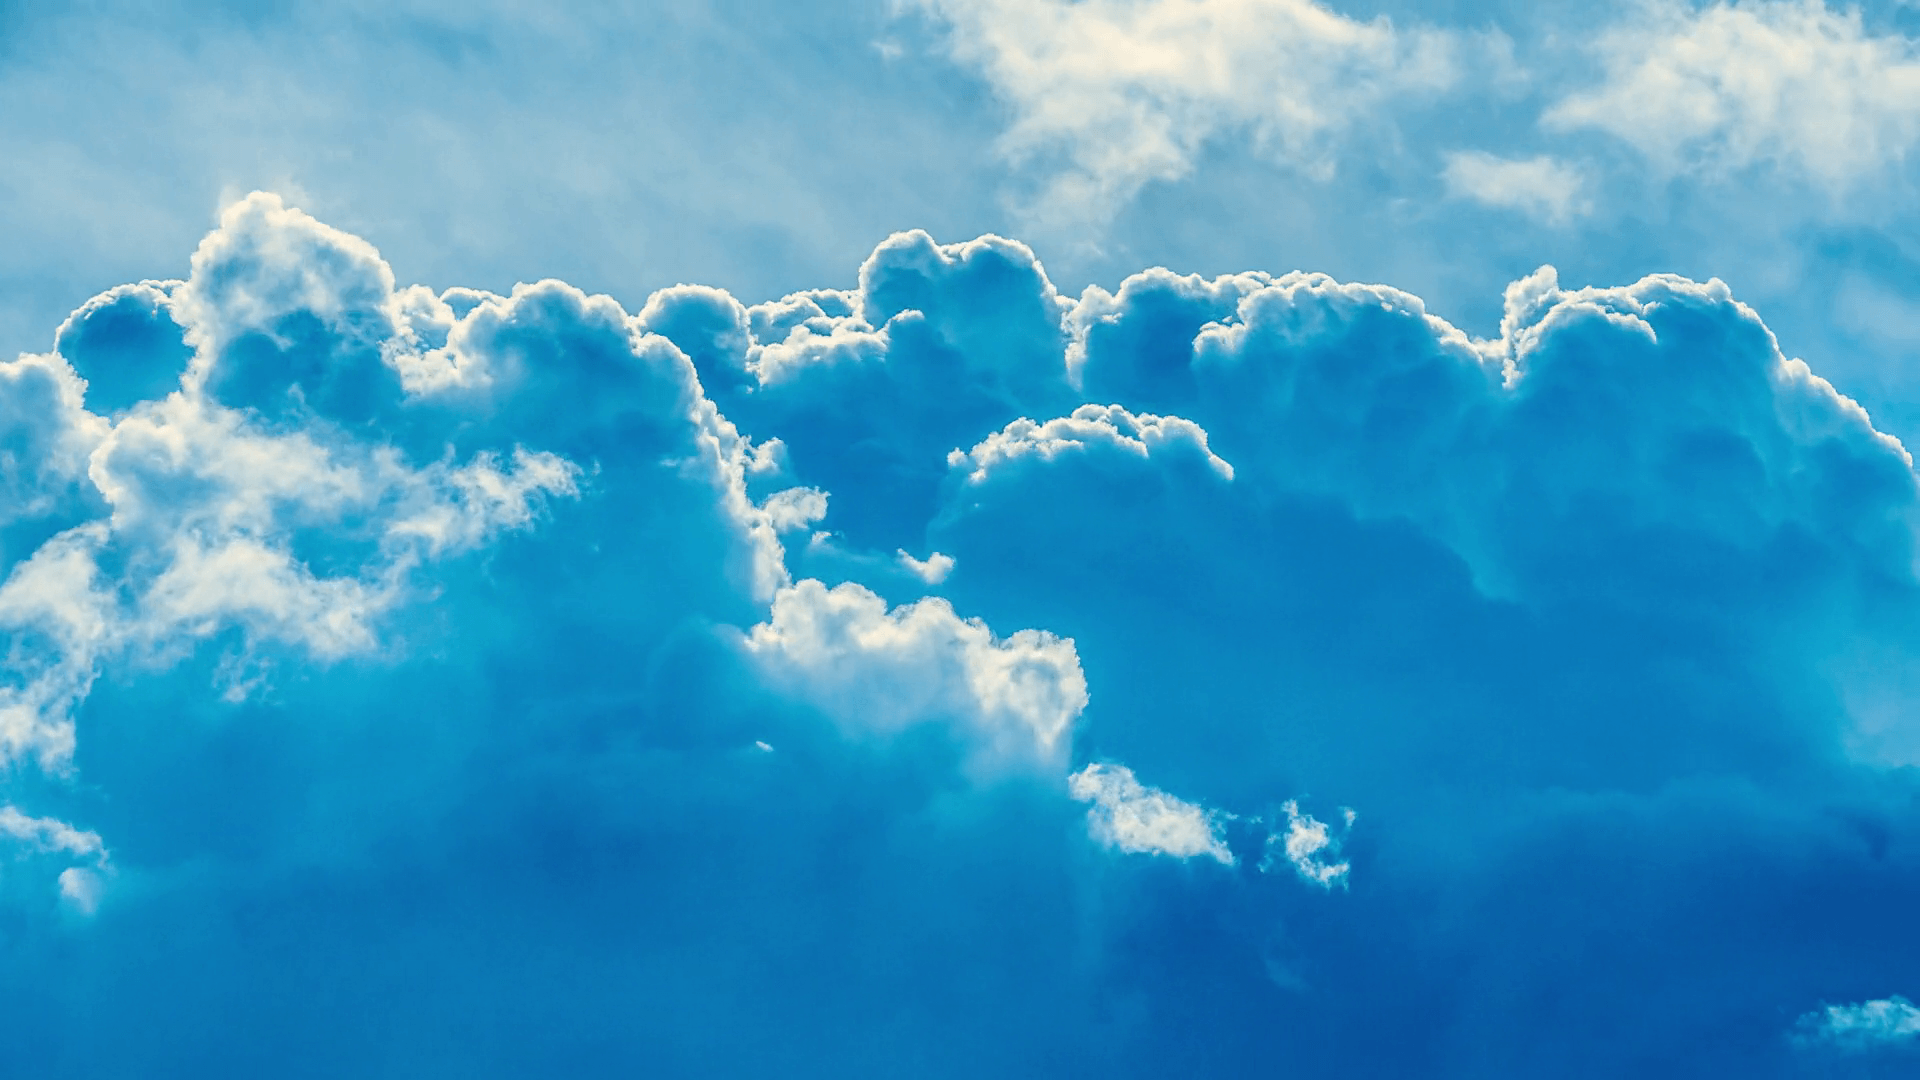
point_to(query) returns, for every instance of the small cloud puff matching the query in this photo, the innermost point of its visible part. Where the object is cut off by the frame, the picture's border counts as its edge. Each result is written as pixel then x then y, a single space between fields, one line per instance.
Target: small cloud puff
pixel 1309 846
pixel 1889 1023
pixel 933 569
pixel 1134 818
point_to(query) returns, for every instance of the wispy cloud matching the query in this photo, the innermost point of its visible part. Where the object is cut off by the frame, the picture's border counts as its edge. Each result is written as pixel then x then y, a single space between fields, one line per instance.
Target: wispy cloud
pixel 1541 187
pixel 1794 83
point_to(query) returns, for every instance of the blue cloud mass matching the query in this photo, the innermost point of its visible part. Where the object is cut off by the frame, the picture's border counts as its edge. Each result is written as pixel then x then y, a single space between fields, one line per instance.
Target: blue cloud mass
pixel 945 676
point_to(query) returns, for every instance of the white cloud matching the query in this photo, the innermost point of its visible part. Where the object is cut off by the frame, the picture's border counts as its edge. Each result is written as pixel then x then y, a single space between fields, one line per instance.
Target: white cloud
pixel 1132 817
pixel 268 261
pixel 1791 82
pixel 265 514
pixel 881 671
pixel 57 619
pixel 80 886
pixel 45 436
pixel 1309 847
pixel 1541 187
pixel 1114 94
pixel 48 835
pixel 933 569
pixel 460 507
pixel 1105 426
pixel 1868 1025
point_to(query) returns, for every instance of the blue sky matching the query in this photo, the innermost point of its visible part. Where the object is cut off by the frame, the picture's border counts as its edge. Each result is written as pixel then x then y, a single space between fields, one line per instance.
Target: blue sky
pixel 959 538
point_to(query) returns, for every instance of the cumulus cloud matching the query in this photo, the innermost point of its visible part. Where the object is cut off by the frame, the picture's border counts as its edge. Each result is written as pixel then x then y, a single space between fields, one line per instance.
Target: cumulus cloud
pixel 45 437
pixel 1111 95
pixel 1793 83
pixel 1500 446
pixel 1127 815
pixel 238 494
pixel 878 670
pixel 480 681
pixel 1540 187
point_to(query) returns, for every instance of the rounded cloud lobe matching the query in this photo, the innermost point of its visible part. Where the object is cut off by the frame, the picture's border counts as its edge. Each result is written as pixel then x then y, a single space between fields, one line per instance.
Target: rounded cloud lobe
pixel 943 676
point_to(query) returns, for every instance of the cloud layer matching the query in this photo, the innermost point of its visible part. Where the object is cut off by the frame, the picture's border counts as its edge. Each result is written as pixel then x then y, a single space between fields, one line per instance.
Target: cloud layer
pixel 943 675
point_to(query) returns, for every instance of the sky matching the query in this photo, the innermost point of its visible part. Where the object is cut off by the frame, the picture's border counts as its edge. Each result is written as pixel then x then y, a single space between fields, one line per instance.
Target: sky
pixel 957 538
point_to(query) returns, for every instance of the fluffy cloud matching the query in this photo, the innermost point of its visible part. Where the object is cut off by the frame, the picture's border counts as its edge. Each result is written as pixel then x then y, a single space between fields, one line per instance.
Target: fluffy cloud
pixel 879 671
pixel 1602 421
pixel 482 681
pixel 1793 83
pixel 1132 817
pixel 866 391
pixel 1111 95
pixel 45 437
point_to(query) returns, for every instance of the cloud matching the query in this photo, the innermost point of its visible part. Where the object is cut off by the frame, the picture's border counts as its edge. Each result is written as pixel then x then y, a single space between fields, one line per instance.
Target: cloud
pixel 1308 845
pixel 868 390
pixel 1090 425
pixel 1540 187
pixel 1512 569
pixel 45 436
pixel 1501 446
pixel 1791 83
pixel 1131 817
pixel 489 681
pixel 879 671
pixel 79 886
pixel 1865 1026
pixel 1109 96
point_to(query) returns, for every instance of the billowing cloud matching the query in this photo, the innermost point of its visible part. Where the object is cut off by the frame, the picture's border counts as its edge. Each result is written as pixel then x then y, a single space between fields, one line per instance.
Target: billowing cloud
pixel 1111 95
pixel 1793 83
pixel 507 682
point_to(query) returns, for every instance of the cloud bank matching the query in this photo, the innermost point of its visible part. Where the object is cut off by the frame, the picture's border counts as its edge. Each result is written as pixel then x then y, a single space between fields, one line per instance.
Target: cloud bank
pixel 943 675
